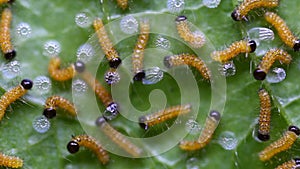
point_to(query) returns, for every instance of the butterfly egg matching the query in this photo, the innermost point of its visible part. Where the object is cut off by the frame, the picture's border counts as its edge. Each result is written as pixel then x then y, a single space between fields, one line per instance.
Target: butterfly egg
pixel 175 6
pixel 41 124
pixel 5 39
pixel 282 144
pixel 247 5
pixel 276 75
pixel 106 44
pixel 23 30
pixel 283 30
pixel 163 115
pixel 292 164
pixel 123 4
pixel 138 52
pixel 153 75
pixel 12 95
pixel 242 46
pixel 56 101
pixel 264 116
pixel 90 143
pixel 188 59
pixel 112 76
pixel 195 39
pixel 129 24
pixel 211 124
pixel 10 161
pixel 118 138
pixel 267 61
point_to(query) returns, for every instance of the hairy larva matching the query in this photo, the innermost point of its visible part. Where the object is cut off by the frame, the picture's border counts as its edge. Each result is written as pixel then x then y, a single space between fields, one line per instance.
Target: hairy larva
pixel 118 138
pixel 57 101
pixel 5 39
pixel 211 124
pixel 10 161
pixel 138 52
pixel 247 5
pixel 163 115
pixel 123 4
pixel 264 116
pixel 90 143
pixel 195 39
pixel 188 59
pixel 282 144
pixel 267 61
pixel 12 95
pixel 292 164
pixel 283 31
pixel 242 46
pixel 106 45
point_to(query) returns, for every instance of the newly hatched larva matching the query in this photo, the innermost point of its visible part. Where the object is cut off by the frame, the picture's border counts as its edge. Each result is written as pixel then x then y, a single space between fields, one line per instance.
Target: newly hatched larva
pixel 282 144
pixel 283 30
pixel 195 39
pixel 6 1
pixel 12 95
pixel 292 164
pixel 211 124
pixel 10 161
pixel 163 115
pixel 267 61
pixel 118 138
pixel 106 44
pixel 5 39
pixel 57 101
pixel 90 143
pixel 264 116
pixel 242 46
pixel 67 73
pixel 188 59
pixel 138 53
pixel 247 5
pixel 123 4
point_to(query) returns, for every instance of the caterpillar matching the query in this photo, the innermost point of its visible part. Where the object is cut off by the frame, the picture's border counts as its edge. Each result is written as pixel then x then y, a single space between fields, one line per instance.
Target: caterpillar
pixel 123 4
pixel 12 95
pixel 282 144
pixel 106 45
pixel 5 39
pixel 242 46
pixel 283 30
pixel 138 52
pixel 10 161
pixel 195 39
pixel 247 5
pixel 267 61
pixel 163 115
pixel 90 143
pixel 6 1
pixel 292 164
pixel 188 59
pixel 264 116
pixel 56 101
pixel 211 124
pixel 118 138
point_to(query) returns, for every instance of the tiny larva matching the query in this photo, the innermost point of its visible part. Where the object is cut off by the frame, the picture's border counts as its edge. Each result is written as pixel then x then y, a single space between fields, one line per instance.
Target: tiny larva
pixel 211 124
pixel 282 144
pixel 57 101
pixel 10 161
pixel 90 143
pixel 267 61
pixel 12 95
pixel 264 116
pixel 6 1
pixel 163 115
pixel 292 164
pixel 123 4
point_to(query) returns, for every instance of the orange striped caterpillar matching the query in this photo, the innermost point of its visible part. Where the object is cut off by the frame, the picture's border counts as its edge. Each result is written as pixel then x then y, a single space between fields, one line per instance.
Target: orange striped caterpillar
pixel 163 115
pixel 106 45
pixel 118 138
pixel 12 95
pixel 90 143
pixel 292 164
pixel 282 144
pixel 283 31
pixel 247 5
pixel 5 39
pixel 56 101
pixel 6 1
pixel 267 61
pixel 122 4
pixel 195 39
pixel 10 161
pixel 138 53
pixel 265 115
pixel 188 59
pixel 211 124
pixel 242 46
pixel 64 74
